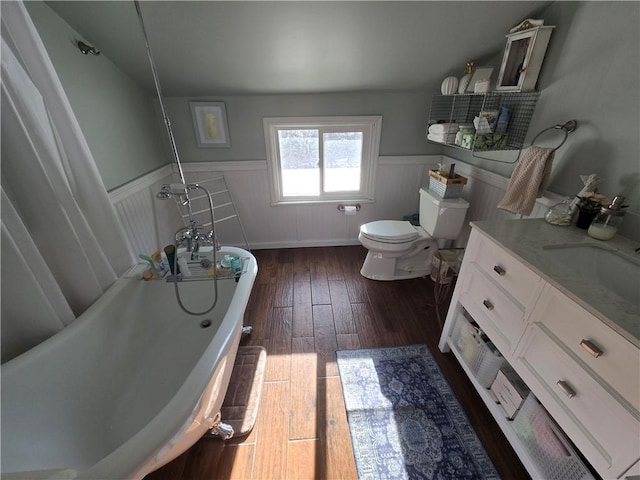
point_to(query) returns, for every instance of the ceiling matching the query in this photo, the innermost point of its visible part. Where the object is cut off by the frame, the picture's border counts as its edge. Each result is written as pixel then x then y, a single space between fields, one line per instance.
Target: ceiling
pixel 269 47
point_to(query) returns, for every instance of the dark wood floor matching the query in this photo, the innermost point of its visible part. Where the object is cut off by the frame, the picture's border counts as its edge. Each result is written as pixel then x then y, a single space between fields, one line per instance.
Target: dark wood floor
pixel 305 304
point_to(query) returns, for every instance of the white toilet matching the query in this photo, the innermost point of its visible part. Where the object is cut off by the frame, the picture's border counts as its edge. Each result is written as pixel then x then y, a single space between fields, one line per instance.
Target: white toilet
pixel 399 250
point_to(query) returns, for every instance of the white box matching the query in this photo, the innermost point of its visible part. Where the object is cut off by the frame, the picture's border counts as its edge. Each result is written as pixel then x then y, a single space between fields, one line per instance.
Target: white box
pixel 509 390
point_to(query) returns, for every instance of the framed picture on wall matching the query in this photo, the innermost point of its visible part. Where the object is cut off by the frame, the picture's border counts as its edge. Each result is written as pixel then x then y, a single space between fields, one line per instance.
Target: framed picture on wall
pixel 210 124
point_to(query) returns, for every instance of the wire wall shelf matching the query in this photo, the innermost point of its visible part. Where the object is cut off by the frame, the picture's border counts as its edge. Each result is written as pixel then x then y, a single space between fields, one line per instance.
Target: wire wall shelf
pixel 463 108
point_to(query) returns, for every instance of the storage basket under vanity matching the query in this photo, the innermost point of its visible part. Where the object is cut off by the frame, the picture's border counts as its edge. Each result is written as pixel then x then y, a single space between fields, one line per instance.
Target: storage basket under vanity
pixel 482 358
pixel 547 444
pixel 446 187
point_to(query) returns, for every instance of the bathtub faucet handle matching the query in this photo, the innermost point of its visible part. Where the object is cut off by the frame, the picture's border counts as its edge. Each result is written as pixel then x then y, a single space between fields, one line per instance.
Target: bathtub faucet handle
pixel 212 239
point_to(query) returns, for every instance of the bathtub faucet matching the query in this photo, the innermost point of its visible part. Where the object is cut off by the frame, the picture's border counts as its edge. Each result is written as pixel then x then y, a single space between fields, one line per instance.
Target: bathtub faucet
pixel 191 238
pixel 193 235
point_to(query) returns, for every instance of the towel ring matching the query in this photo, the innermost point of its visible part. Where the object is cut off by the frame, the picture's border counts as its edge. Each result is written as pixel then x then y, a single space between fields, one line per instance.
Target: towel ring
pixel 567 128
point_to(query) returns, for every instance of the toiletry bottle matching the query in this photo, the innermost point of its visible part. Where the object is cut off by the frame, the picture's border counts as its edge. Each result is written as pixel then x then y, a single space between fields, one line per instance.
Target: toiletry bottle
pixel 608 219
pixel 503 120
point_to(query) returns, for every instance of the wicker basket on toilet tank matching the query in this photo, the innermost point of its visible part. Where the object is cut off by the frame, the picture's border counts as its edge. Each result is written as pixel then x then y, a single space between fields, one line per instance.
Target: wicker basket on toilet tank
pixel 446 187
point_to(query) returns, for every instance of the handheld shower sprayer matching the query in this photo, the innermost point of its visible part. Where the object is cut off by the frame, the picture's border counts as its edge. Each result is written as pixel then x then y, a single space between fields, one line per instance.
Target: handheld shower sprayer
pixel 178 189
pixel 163 194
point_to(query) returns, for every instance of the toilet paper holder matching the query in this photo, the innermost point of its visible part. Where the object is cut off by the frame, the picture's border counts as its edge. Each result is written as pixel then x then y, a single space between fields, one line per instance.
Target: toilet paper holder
pixel 342 208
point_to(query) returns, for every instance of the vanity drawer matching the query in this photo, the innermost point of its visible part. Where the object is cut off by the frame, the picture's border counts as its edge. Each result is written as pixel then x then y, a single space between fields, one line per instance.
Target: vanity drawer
pixel 603 429
pixel 612 359
pixel 507 272
pixel 498 316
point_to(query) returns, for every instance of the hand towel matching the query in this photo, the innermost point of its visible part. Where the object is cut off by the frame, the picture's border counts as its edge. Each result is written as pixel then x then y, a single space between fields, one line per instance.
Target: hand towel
pixel 448 138
pixel 443 128
pixel 528 181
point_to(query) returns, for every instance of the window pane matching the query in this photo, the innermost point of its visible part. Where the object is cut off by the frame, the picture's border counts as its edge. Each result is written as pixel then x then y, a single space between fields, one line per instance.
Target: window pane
pixel 342 161
pixel 299 160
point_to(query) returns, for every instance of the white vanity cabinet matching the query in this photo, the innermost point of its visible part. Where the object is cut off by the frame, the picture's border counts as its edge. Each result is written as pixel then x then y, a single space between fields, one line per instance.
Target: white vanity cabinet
pixel 582 372
pixel 585 374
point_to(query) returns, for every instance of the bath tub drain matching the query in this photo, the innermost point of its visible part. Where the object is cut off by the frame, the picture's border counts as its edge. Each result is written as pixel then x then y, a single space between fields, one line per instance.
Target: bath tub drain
pixel 205 323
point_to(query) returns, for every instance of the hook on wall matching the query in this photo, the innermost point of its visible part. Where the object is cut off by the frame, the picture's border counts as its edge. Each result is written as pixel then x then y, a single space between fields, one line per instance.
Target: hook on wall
pixel 85 49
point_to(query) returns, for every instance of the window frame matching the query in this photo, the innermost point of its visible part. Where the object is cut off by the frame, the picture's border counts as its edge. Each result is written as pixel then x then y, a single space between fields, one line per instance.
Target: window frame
pixel 369 125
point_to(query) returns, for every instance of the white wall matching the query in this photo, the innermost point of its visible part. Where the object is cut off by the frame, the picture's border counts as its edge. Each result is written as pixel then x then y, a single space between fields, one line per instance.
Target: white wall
pixel 150 223
pixel 591 74
pixel 403 125
pixel 117 117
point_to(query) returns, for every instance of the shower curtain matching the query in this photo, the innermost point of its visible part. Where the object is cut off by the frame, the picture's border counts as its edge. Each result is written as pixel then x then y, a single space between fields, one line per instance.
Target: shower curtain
pixel 62 244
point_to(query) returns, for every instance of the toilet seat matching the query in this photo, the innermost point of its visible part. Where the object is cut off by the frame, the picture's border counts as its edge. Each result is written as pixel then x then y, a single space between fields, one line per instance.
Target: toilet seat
pixel 389 231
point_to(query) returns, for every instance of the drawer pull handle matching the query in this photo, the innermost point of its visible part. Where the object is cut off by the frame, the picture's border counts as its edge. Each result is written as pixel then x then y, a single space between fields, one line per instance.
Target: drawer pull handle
pixel 499 270
pixel 591 348
pixel 566 389
pixel 487 304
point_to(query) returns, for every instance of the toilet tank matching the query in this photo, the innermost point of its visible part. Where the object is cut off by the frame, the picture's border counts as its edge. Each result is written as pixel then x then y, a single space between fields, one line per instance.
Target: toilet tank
pixel 442 217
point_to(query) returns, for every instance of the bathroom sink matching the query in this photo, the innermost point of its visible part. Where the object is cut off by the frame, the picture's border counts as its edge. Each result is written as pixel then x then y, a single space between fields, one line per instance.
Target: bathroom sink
pixel 616 272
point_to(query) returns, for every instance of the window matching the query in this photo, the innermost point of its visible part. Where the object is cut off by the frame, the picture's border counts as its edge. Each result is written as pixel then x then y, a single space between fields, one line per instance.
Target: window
pixel 322 159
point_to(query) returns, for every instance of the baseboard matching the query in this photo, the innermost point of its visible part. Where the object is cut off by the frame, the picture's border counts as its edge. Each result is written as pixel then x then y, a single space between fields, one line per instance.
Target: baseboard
pixel 301 244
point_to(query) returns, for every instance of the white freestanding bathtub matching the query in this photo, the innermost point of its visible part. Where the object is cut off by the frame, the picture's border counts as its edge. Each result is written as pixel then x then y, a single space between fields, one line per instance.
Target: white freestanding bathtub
pixel 130 385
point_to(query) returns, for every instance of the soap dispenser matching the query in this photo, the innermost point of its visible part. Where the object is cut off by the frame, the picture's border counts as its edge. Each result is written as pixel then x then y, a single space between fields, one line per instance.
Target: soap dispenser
pixel 608 219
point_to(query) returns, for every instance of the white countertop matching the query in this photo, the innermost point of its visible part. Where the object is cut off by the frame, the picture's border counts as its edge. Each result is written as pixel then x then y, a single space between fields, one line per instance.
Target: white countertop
pixel 525 239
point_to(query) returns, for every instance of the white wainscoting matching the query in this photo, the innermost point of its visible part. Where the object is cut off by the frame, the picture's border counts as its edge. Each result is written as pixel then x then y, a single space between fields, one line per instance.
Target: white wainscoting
pixel 484 190
pixel 151 223
pixel 148 222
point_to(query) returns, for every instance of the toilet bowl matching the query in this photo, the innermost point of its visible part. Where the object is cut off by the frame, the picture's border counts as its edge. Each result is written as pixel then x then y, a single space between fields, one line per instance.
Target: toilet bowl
pixel 400 250
pixel 396 258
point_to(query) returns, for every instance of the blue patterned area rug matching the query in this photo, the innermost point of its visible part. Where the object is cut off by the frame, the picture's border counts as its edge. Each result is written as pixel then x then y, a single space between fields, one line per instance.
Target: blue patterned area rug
pixel 405 421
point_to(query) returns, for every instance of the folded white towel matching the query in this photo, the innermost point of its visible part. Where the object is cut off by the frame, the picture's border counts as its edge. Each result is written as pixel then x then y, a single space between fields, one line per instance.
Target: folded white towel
pixel 450 138
pixel 440 128
pixel 528 181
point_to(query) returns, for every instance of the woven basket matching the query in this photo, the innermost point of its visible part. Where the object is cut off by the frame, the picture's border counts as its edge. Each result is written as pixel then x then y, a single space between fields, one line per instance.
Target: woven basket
pixel 446 187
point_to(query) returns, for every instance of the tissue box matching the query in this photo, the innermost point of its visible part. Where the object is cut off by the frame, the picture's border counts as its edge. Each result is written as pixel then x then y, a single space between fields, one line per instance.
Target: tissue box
pixel 509 390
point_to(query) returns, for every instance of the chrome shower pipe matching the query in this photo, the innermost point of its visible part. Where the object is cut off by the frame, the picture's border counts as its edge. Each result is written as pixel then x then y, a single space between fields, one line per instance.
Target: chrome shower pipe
pixel 182 189
pixel 165 116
